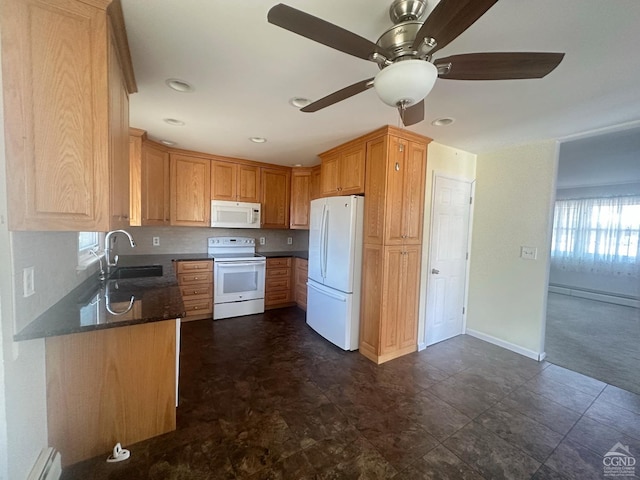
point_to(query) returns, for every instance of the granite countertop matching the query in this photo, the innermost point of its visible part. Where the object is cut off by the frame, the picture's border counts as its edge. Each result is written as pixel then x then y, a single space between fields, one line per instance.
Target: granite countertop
pixel 96 305
pixel 85 308
pixel 304 254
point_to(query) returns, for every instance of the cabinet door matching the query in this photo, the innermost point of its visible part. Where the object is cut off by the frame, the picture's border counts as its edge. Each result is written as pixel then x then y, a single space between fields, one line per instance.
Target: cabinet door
pixel 414 182
pixel 276 191
pixel 351 171
pixel 118 140
pixel 329 173
pixel 315 182
pixel 395 195
pixel 55 78
pixel 409 291
pixel 248 184
pixel 223 180
pixel 300 199
pixel 392 299
pixel 375 186
pixel 190 179
pixel 155 185
pixel 371 300
pixel 135 177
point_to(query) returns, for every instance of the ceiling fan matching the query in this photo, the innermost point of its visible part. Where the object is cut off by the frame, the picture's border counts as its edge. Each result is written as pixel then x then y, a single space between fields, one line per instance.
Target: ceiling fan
pixel 404 52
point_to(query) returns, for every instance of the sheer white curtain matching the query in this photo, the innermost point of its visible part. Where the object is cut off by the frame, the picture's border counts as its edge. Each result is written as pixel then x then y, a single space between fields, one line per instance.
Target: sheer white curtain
pixel 598 235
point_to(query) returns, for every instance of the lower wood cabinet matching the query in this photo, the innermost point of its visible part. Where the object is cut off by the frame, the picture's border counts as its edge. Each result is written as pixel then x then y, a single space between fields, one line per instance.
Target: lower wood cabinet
pixel 278 292
pixel 389 305
pixel 108 386
pixel 195 279
pixel 300 282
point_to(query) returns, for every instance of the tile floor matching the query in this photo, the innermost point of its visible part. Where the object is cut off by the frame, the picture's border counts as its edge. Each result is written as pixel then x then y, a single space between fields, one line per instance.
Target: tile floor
pixel 264 397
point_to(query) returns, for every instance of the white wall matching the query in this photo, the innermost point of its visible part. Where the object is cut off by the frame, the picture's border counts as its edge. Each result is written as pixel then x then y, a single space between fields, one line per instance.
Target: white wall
pixel 513 207
pixel 441 160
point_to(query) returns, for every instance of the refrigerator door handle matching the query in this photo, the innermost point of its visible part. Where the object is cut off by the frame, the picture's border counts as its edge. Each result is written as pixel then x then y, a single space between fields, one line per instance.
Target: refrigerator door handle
pixel 323 242
pixel 327 293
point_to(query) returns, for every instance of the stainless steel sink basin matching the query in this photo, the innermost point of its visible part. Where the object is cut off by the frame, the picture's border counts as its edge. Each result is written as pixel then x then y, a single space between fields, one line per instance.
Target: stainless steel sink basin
pixel 137 272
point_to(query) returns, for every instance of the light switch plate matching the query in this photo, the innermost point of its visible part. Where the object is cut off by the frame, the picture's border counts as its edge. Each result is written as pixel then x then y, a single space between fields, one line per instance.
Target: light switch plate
pixel 262 241
pixel 528 253
pixel 28 282
pixel 289 241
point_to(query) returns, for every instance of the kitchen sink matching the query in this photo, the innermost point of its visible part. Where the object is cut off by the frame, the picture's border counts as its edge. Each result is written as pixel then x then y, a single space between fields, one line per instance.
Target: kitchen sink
pixel 137 272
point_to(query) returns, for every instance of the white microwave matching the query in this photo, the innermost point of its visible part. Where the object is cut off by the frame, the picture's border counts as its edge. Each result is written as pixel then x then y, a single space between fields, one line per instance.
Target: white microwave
pixel 228 214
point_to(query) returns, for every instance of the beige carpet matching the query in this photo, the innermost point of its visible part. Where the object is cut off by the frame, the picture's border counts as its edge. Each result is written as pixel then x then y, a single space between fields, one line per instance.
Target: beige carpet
pixel 598 339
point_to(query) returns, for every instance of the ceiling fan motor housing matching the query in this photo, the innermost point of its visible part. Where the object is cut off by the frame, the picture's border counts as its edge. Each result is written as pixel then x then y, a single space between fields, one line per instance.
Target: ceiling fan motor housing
pixel 403 10
pixel 398 40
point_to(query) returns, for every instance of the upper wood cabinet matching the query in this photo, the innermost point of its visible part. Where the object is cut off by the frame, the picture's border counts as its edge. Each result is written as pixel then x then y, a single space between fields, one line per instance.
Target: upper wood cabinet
pixel 235 181
pixel 395 190
pixel 190 191
pixel 300 198
pixel 155 209
pixel 66 115
pixel 149 169
pixel 315 182
pixel 342 170
pixel 276 192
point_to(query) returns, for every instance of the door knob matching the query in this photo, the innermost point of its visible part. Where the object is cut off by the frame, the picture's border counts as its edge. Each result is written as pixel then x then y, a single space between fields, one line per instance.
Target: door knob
pixel 434 271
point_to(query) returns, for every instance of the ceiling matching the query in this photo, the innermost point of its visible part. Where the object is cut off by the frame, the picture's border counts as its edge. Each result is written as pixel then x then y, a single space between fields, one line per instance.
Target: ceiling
pixel 246 70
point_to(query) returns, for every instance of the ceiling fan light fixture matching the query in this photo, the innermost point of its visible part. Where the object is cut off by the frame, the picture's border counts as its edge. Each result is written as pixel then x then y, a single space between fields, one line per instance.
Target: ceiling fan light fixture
pixel 406 82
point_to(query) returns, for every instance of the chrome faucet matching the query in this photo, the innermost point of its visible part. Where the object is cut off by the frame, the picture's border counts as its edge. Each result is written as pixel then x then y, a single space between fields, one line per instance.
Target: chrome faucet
pixel 107 246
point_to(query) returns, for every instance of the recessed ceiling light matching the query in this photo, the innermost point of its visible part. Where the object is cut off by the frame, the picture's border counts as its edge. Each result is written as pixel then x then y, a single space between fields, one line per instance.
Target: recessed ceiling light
pixel 296 165
pixel 168 143
pixel 179 85
pixel 258 139
pixel 299 102
pixel 443 122
pixel 174 121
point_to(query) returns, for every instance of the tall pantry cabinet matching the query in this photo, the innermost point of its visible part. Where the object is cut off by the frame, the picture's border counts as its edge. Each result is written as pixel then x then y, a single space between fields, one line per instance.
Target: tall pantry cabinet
pixel 394 202
pixel 67 75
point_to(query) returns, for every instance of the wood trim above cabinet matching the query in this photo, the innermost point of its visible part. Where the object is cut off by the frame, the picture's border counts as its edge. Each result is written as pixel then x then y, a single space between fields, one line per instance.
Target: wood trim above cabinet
pixel 122 45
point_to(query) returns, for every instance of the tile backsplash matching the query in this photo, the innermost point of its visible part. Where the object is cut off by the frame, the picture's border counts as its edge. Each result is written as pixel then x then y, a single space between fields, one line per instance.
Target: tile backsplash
pixel 194 239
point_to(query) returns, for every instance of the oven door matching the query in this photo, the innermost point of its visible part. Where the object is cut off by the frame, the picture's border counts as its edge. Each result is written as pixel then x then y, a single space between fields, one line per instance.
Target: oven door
pixel 237 281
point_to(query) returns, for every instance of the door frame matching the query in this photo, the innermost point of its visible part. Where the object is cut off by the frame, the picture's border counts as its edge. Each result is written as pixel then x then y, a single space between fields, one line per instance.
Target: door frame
pixel 426 256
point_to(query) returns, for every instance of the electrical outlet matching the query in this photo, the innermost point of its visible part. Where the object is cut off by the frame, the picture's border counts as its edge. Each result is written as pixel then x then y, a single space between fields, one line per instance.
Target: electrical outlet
pixel 528 253
pixel 156 241
pixel 28 282
pixel 262 241
pixel 289 241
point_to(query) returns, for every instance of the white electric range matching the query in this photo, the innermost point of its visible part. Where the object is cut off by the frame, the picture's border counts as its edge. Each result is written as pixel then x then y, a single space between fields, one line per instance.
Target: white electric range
pixel 238 276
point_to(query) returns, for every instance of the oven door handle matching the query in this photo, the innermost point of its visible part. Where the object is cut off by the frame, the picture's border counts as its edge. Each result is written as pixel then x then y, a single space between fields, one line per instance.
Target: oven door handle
pixel 240 264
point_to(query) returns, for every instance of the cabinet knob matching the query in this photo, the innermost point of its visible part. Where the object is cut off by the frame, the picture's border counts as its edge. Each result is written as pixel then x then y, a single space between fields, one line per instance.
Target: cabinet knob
pixel 397 167
pixel 195 292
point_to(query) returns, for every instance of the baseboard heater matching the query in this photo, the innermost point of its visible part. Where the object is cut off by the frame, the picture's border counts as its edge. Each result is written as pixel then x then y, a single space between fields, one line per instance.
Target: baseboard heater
pixel 627 301
pixel 47 467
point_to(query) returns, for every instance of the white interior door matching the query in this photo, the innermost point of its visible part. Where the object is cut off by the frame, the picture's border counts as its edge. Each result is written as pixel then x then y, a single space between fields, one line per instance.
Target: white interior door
pixel 447 259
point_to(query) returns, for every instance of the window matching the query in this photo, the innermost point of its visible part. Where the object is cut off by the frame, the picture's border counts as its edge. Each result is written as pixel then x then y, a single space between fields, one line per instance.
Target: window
pixel 599 235
pixel 87 242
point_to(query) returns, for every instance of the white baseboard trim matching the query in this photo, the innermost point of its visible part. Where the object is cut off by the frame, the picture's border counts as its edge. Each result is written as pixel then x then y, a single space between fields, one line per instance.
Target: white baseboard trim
pixel 600 297
pixel 537 356
pixel 422 346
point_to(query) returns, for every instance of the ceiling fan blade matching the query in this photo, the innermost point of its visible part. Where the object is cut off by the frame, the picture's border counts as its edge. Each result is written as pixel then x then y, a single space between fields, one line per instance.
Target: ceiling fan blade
pixel 338 96
pixel 449 19
pixel 498 65
pixel 412 115
pixel 321 31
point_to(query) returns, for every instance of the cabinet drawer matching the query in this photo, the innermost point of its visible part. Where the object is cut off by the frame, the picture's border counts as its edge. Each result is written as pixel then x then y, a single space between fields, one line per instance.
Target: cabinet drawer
pixel 196 277
pixel 277 297
pixel 196 266
pixel 278 272
pixel 204 290
pixel 198 306
pixel 279 262
pixel 283 283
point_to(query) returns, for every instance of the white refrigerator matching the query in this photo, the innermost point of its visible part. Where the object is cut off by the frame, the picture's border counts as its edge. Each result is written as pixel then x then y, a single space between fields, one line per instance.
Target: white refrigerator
pixel 335 269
